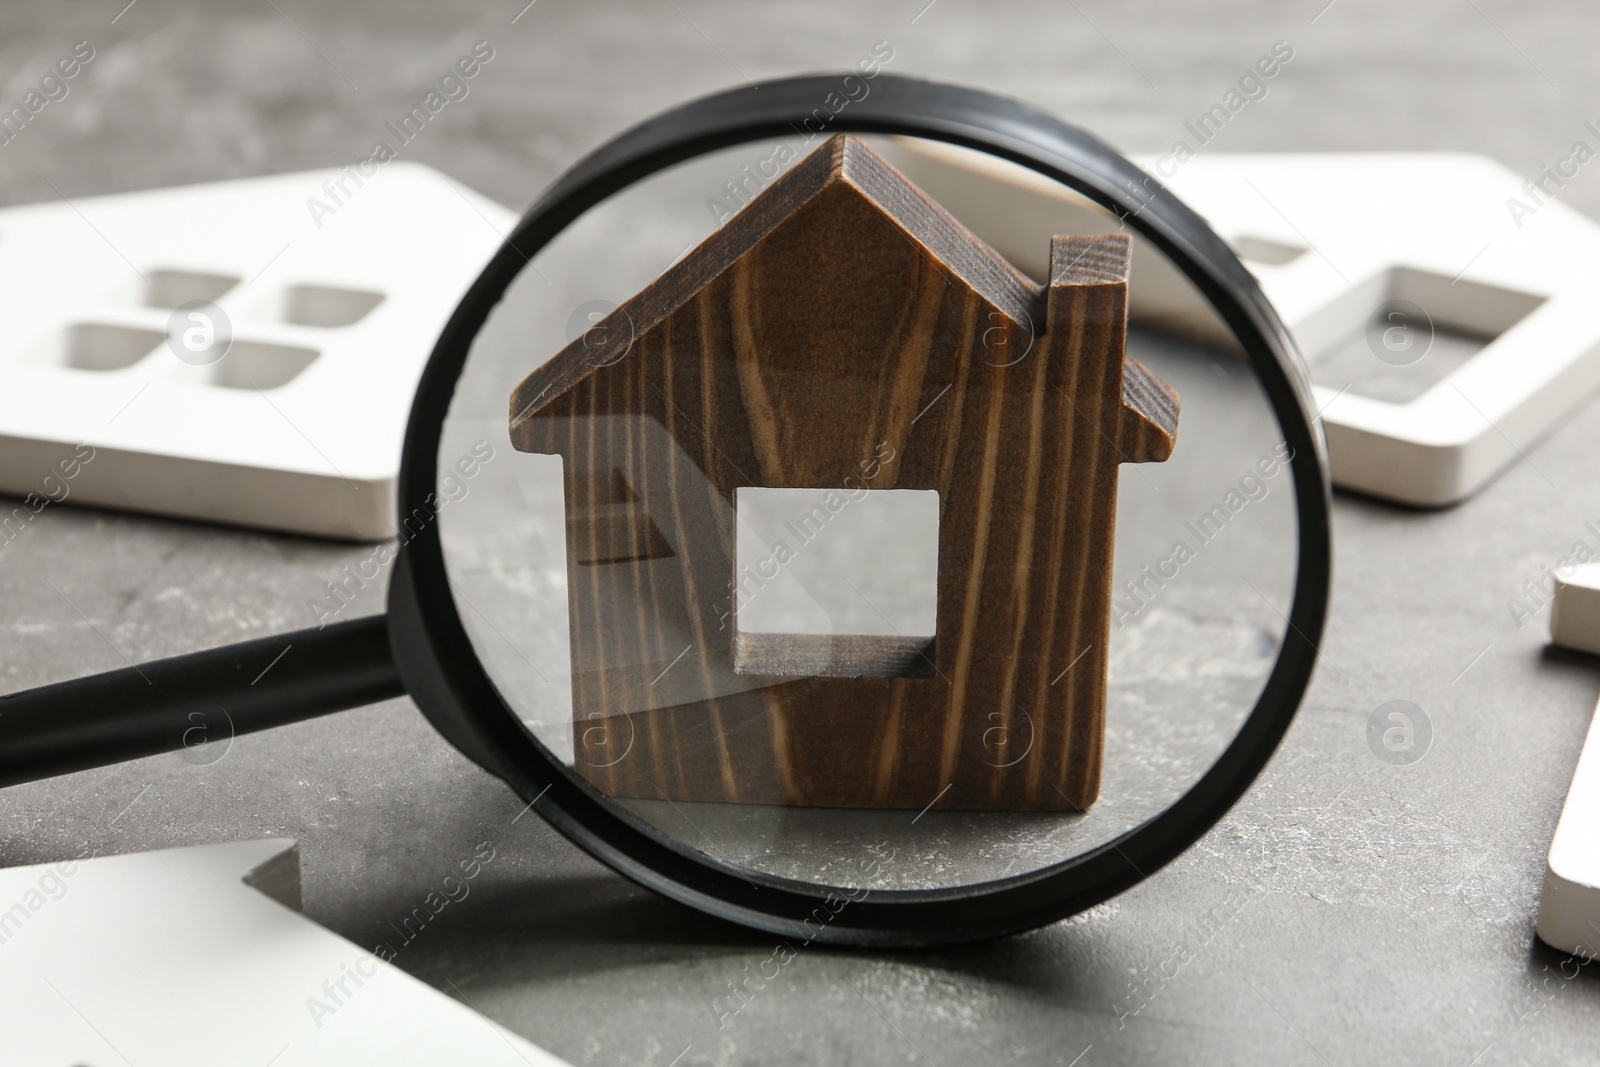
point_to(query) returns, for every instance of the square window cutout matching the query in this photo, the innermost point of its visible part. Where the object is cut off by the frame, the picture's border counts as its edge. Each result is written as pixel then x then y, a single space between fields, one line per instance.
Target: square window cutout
pixel 172 288
pixel 327 306
pixel 836 582
pixel 96 346
pixel 1265 250
pixel 250 365
pixel 614 527
pixel 1404 330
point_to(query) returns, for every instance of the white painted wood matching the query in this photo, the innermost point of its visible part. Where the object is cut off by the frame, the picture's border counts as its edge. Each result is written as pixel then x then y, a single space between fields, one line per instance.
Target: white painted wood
pixel 1350 231
pixel 1575 609
pixel 364 283
pixel 1569 907
pixel 171 958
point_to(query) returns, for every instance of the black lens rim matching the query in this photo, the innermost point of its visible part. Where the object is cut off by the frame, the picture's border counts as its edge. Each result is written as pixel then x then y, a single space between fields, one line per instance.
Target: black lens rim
pixel 448 682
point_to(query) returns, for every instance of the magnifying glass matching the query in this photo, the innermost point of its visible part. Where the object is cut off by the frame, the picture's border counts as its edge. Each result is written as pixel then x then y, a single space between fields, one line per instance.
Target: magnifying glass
pixel 802 557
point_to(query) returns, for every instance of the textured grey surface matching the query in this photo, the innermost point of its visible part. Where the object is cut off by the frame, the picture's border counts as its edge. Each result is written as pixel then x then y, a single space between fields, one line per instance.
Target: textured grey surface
pixel 1347 911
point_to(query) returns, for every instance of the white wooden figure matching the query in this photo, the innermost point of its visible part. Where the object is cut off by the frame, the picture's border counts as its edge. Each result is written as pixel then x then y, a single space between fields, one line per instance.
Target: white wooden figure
pixel 242 352
pixel 193 957
pixel 1575 608
pixel 1569 906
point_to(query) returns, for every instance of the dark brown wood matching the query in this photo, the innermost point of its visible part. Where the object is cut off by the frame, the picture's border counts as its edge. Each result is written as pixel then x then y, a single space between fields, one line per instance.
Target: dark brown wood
pixel 845 332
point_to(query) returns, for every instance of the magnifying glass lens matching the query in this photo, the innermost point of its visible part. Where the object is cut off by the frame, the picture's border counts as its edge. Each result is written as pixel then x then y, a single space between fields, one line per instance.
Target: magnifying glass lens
pixel 868 514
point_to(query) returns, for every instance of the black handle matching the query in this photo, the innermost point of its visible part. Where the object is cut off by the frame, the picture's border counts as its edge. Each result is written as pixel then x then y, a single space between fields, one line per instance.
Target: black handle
pixel 201 697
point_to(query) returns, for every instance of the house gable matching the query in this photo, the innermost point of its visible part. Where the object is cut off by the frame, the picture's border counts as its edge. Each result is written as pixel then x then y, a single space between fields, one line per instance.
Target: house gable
pixel 840 180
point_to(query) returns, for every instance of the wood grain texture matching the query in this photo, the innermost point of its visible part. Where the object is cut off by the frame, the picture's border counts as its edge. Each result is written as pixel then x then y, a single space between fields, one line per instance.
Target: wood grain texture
pixel 844 332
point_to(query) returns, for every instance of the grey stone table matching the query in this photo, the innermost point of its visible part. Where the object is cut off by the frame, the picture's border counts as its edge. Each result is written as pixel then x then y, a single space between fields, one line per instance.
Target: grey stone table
pixel 1347 911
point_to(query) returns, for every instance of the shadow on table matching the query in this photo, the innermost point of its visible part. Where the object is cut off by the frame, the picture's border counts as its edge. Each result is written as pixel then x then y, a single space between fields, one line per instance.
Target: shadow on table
pixel 561 928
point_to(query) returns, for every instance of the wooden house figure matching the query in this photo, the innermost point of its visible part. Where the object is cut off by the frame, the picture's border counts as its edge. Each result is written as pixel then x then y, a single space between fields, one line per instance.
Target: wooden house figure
pixel 843 331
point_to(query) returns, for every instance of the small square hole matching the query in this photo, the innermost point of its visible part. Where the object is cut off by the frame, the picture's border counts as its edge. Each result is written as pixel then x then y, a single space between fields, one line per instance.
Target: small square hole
pixel 1265 250
pixel 172 288
pixel 251 365
pixel 327 306
pixel 94 346
pixel 612 525
pixel 616 534
pixel 836 582
pixel 1404 330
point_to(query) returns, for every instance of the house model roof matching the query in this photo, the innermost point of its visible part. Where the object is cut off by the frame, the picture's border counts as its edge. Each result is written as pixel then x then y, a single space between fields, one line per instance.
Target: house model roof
pixel 843 168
